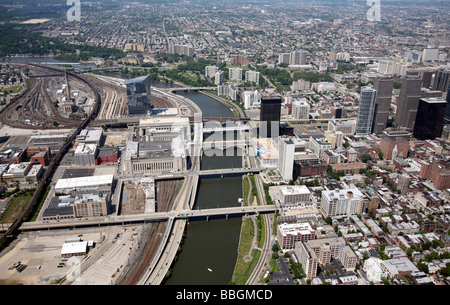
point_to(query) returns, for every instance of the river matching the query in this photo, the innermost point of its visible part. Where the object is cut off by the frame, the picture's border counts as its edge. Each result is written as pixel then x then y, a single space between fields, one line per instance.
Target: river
pixel 209 251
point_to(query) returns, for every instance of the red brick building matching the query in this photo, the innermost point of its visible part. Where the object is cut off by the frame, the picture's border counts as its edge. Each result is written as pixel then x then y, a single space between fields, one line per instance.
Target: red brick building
pixel 39 155
pixel 438 171
pixel 310 168
pixel 387 145
pixel 107 155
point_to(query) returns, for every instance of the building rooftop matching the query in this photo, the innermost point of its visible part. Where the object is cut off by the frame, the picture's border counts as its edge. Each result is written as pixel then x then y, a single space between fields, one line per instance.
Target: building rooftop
pixel 294 190
pixel 90 135
pixel 295 228
pixel 83 182
pixel 86 149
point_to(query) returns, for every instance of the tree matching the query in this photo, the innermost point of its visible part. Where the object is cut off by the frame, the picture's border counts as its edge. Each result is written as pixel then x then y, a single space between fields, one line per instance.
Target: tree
pixel 366 157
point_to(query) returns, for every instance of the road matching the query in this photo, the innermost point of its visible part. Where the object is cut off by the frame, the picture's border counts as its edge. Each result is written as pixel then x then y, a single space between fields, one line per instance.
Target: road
pixel 266 252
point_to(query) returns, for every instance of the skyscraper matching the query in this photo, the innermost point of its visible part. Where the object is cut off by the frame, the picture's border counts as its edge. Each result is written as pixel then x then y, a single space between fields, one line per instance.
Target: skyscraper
pixel 408 102
pixel 384 87
pixel 447 110
pixel 430 119
pixel 441 80
pixel 286 149
pixel 442 83
pixel 269 117
pixel 138 96
pixel 366 111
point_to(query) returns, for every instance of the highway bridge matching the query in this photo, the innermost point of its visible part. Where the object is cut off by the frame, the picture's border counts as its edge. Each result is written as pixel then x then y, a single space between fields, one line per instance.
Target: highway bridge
pixel 211 172
pixel 190 89
pixel 142 218
pixel 76 71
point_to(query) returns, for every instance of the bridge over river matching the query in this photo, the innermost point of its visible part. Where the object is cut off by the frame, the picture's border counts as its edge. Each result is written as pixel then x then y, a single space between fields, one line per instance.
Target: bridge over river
pixel 142 218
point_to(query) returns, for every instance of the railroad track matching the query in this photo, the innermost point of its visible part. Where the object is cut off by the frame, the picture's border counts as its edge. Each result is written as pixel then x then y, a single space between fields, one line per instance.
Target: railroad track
pixel 54 162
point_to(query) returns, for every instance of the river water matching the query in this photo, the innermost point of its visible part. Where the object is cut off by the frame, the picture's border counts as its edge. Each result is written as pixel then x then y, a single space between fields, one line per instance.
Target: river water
pixel 209 250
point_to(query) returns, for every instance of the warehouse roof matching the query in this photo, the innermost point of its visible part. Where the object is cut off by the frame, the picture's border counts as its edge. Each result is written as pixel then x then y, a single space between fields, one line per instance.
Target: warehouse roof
pixel 74 248
pixel 83 182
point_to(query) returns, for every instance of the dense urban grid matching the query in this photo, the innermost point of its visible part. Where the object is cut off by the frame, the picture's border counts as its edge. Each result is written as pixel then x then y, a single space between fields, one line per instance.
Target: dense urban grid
pixel 340 122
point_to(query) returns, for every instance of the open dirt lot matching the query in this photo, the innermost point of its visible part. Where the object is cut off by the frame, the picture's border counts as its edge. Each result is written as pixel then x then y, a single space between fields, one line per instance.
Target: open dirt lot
pixel 40 252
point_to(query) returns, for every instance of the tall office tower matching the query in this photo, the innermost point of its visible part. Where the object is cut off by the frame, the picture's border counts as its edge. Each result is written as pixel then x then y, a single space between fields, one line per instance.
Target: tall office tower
pixel 384 87
pixel 300 109
pixel 441 80
pixel 408 102
pixel 366 110
pixel 429 123
pixel 235 74
pixel 269 117
pixel 138 96
pixel 286 149
pixel 447 110
pixel 298 57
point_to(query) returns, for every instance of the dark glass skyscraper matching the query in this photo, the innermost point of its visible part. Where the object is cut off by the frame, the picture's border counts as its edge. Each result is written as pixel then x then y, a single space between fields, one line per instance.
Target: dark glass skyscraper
pixel 408 102
pixel 430 118
pixel 441 82
pixel 138 96
pixel 384 87
pixel 269 117
pixel 447 110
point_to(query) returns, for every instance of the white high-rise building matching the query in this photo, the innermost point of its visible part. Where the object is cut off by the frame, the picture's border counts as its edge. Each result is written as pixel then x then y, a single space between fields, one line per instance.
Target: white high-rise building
pixel 294 58
pixel 366 110
pixel 300 109
pixel 229 90
pixel 348 128
pixel 298 58
pixel 284 58
pixel 181 49
pixel 341 203
pixel 252 76
pixel 218 79
pixel 374 270
pixel 286 149
pixel 430 54
pixel 391 67
pixel 250 98
pixel 300 84
pixel 294 194
pixel 210 71
pixel 235 74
